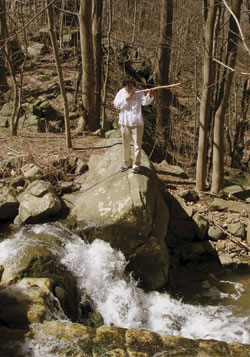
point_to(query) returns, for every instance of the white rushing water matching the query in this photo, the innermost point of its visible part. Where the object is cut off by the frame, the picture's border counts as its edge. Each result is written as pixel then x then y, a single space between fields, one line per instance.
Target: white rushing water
pixel 99 269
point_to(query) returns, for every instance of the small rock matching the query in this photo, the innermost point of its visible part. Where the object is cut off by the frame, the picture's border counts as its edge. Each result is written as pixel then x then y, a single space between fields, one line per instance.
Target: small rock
pixel 189 195
pixel 31 172
pixel 200 225
pixel 81 167
pixel 225 259
pixel 237 229
pixel 215 233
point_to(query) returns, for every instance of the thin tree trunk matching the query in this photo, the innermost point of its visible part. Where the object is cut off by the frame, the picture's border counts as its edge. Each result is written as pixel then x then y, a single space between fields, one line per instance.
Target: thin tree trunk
pixel 88 67
pixel 107 67
pixel 218 143
pixel 97 46
pixel 60 76
pixel 207 89
pixel 163 97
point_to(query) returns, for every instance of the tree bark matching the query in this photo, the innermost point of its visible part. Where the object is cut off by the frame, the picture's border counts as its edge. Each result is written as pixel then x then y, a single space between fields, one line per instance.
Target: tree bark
pixel 88 64
pixel 221 105
pixel 60 76
pixel 3 76
pixel 97 45
pixel 163 97
pixel 207 89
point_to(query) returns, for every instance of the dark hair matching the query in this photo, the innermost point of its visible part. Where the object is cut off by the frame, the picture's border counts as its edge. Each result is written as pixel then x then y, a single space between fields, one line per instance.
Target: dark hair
pixel 128 81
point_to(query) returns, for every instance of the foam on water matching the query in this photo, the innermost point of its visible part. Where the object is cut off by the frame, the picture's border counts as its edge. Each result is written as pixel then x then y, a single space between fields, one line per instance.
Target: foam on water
pixel 99 269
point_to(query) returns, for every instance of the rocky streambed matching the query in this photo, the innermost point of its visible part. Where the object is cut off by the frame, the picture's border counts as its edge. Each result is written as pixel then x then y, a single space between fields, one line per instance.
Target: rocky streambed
pixel 62 283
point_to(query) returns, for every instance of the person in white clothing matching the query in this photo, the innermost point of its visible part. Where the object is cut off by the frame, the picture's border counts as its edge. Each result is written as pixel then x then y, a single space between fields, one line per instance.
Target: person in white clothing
pixel 131 121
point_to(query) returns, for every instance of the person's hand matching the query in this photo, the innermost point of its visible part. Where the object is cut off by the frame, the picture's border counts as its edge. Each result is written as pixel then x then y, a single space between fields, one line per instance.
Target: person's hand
pixel 129 96
pixel 151 93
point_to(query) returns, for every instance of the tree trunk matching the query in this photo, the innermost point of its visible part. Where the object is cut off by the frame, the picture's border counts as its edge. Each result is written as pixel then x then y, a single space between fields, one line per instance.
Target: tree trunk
pixel 88 66
pixel 107 67
pixel 3 77
pixel 60 76
pixel 221 105
pixel 207 89
pixel 163 97
pixel 97 45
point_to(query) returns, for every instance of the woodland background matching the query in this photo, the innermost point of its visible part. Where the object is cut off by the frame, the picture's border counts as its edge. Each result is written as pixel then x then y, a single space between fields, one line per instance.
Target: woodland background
pixel 93 44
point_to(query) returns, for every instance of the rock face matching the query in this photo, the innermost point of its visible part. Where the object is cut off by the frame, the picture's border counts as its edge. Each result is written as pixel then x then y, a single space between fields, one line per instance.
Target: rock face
pixel 107 341
pixel 127 211
pixel 37 202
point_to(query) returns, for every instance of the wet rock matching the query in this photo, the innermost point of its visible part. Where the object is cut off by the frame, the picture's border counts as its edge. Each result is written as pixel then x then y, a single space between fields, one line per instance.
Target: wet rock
pixel 38 202
pixel 219 204
pixel 237 229
pixel 200 225
pixel 215 233
pixel 25 302
pixel 127 211
pixel 8 203
pixel 189 195
pixel 109 341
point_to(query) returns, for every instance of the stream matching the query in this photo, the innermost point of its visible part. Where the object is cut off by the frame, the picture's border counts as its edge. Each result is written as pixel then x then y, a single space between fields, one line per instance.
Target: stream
pixel 220 308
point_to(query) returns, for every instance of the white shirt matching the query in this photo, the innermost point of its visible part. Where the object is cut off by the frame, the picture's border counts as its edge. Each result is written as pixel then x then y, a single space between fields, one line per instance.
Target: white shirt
pixel 130 111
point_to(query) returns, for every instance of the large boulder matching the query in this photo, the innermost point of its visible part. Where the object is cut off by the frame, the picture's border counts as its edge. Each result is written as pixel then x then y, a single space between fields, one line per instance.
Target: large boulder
pixel 38 202
pixel 127 211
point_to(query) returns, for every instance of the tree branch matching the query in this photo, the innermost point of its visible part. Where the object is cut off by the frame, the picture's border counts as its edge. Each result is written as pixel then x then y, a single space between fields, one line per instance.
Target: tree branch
pixel 231 69
pixel 238 24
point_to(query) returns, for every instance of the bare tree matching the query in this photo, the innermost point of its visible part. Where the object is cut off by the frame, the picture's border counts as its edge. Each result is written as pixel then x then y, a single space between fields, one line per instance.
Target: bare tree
pixel 163 97
pixel 222 102
pixel 60 75
pixel 88 63
pixel 210 11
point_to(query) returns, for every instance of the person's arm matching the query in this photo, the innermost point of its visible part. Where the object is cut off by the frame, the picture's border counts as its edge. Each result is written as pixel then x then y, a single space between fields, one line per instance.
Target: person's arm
pixel 147 99
pixel 120 101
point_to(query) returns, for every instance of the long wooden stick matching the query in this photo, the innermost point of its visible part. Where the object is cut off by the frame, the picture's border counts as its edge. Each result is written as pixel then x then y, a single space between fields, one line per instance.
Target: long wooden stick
pixel 154 88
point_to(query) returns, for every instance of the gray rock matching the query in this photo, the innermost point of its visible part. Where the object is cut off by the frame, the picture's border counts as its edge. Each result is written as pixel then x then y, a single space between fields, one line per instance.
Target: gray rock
pixel 215 233
pixel 37 202
pixel 237 229
pixel 179 171
pixel 8 203
pixel 71 101
pixel 31 171
pixel 81 167
pixel 225 259
pixel 113 134
pixel 219 204
pixel 248 233
pixel 37 50
pixel 5 114
pixel 32 123
pixel 239 191
pixel 126 210
pixel 200 225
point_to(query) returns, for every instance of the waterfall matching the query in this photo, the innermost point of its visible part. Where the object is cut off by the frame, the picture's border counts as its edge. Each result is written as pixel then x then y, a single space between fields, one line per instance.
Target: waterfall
pixel 99 270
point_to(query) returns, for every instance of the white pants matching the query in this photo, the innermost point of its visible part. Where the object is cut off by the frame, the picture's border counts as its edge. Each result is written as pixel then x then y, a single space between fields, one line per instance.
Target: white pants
pixel 135 133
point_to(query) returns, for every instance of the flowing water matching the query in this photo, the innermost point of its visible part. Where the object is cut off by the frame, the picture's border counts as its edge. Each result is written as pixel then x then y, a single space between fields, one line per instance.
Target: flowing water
pixel 99 269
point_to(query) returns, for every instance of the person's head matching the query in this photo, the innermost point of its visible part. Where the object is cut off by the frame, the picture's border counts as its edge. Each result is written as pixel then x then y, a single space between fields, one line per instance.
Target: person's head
pixel 128 84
